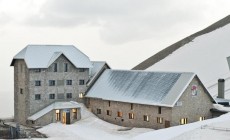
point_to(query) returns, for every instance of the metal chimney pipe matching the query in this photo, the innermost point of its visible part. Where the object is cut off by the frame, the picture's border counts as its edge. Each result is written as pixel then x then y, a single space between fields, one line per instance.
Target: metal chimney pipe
pixel 221 89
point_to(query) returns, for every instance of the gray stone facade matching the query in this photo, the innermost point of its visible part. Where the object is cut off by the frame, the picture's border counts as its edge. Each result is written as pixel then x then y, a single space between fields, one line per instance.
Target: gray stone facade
pixel 25 102
pixel 191 107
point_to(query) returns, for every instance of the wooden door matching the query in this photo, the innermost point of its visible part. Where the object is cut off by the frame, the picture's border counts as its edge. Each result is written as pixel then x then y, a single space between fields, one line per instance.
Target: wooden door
pixel 167 124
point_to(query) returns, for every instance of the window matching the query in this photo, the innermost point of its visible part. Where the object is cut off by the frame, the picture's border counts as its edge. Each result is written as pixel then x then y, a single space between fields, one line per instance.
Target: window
pixel 146 118
pixel 131 106
pixel 65 67
pixel 57 115
pixel 68 95
pixel 21 91
pixel 51 82
pixel 183 121
pixel 81 82
pixel 74 113
pixel 68 82
pixel 37 96
pixel 159 120
pixel 201 118
pixel 131 116
pixel 109 112
pixel 109 103
pixel 37 83
pixel 37 70
pixel 159 110
pixel 51 96
pixel 98 111
pixel 81 70
pixel 55 67
pixel 81 95
pixel 119 114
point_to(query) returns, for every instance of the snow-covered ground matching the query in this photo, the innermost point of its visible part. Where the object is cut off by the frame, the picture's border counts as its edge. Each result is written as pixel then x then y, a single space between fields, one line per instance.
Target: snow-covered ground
pixel 205 56
pixel 90 127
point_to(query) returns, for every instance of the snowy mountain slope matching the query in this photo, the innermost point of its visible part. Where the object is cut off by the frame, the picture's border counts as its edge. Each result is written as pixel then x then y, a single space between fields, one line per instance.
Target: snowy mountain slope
pixel 205 55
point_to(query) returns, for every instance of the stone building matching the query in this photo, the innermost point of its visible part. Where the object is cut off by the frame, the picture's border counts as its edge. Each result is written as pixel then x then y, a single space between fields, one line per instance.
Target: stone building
pixel 47 74
pixel 149 99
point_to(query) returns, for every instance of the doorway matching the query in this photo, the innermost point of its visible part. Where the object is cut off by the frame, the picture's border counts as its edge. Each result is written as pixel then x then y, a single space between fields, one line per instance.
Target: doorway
pixel 167 124
pixel 66 117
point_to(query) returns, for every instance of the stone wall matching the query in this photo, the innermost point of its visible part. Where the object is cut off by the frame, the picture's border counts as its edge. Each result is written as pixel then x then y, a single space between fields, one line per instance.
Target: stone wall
pixel 60 87
pixel 193 106
pixel 138 110
pixel 21 100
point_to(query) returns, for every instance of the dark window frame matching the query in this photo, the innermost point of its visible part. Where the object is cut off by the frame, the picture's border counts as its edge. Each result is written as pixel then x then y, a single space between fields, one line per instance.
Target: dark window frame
pixel 37 96
pixel 52 96
pixel 131 115
pixel 146 118
pixel 69 82
pixel 81 82
pixel 98 111
pixel 66 68
pixel 52 82
pixel 55 67
pixel 69 96
pixel 159 110
pixel 37 82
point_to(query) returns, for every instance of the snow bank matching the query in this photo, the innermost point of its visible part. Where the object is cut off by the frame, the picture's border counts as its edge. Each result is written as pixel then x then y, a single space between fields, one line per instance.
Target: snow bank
pixel 88 128
pixel 172 132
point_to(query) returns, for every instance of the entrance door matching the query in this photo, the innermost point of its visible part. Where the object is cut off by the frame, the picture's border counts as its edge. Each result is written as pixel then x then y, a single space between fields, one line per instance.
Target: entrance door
pixel 66 117
pixel 167 124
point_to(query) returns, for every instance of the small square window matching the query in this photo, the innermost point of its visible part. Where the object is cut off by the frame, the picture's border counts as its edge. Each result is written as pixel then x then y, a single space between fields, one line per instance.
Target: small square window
pixel 37 96
pixel 183 121
pixel 51 82
pixel 51 96
pixel 131 116
pixel 81 82
pixel 201 118
pixel 37 83
pixel 68 82
pixel 68 95
pixel 159 120
pixel 98 111
pixel 109 112
pixel 81 95
pixel 146 118
pixel 119 114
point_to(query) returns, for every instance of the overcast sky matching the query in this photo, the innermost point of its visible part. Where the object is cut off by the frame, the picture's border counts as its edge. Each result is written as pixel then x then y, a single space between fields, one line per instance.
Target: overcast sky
pixel 121 32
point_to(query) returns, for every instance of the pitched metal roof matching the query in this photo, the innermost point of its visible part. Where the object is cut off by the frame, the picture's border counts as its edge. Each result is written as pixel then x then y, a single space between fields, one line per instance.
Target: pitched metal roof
pixel 142 87
pixel 42 56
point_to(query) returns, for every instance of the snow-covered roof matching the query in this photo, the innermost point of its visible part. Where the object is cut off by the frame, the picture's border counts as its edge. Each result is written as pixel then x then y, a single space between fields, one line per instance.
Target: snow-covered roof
pixel 42 56
pixel 142 87
pixel 55 105
pixel 97 66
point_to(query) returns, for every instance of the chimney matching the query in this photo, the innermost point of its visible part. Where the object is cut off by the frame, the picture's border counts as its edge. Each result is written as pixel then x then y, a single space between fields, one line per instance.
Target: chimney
pixel 221 88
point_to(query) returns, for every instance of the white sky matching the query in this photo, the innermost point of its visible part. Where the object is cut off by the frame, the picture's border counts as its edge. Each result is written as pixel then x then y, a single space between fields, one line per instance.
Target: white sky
pixel 121 32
